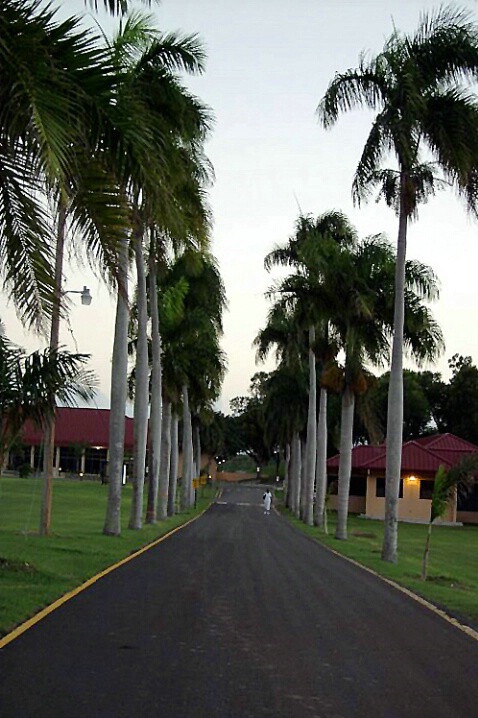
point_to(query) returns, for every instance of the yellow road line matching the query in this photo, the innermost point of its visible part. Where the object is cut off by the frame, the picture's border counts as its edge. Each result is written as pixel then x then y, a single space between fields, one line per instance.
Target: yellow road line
pixel 71 594
pixel 423 601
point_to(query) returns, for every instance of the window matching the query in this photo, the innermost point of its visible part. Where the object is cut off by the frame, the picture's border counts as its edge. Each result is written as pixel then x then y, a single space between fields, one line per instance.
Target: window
pixel 426 489
pixel 380 488
pixel 358 486
pixel 468 502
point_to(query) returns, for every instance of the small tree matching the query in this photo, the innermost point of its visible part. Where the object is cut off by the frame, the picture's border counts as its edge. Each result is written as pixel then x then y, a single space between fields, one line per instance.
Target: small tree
pixel 460 478
pixel 30 383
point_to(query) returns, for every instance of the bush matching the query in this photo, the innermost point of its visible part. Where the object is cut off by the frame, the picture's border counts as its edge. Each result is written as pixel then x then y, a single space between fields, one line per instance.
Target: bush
pixel 24 471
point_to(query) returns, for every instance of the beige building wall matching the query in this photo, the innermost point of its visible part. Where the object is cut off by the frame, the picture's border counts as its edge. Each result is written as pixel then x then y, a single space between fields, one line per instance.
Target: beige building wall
pixel 411 507
pixel 357 504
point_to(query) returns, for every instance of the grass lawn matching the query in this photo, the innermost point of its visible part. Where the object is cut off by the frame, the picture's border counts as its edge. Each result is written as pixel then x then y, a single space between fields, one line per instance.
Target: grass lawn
pixel 452 582
pixel 35 570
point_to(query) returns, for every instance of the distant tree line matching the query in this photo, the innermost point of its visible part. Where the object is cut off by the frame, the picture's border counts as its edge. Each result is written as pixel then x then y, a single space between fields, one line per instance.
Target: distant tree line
pixel 431 405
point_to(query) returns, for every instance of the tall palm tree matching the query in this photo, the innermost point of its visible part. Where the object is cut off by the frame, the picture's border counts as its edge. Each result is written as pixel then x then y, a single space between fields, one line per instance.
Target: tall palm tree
pixel 193 361
pixel 363 321
pixel 285 416
pixel 115 7
pixel 149 93
pixel 309 251
pixel 55 110
pixel 418 88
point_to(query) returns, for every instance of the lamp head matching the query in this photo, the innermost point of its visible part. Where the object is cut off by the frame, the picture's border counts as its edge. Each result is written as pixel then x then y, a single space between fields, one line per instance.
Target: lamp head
pixel 86 296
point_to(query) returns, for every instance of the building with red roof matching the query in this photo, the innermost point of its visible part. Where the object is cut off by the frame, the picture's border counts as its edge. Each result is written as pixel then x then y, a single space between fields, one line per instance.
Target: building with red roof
pixel 81 441
pixel 421 459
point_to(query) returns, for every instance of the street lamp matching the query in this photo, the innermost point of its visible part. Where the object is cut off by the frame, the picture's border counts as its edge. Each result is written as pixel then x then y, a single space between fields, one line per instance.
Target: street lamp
pixel 85 295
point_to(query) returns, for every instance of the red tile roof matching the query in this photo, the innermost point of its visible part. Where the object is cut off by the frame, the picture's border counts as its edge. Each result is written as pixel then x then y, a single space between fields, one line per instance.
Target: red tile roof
pixel 75 426
pixel 422 455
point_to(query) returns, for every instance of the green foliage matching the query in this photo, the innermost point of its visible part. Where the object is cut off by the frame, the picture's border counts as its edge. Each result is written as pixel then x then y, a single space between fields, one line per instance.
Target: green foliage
pixel 249 417
pixel 442 492
pixel 24 471
pixel 461 406
pixel 30 383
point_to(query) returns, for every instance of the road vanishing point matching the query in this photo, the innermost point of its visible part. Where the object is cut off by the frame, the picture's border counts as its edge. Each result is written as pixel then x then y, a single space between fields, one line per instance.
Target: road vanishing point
pixel 240 615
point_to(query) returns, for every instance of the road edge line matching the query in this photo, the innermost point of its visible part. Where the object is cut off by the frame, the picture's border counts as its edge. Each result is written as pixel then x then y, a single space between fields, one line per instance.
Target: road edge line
pixel 30 622
pixel 414 596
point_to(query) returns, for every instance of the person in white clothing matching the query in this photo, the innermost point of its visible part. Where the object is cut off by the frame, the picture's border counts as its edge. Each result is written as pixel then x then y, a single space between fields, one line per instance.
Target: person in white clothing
pixel 267 498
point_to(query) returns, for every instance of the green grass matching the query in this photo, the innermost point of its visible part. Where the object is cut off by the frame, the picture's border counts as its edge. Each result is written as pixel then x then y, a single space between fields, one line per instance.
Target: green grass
pixel 452 582
pixel 35 570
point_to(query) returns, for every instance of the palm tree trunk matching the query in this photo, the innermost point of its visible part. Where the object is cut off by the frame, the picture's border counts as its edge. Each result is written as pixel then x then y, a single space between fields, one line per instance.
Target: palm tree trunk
pixel 156 393
pixel 119 386
pixel 49 442
pixel 345 463
pixel 311 446
pixel 301 479
pixel 186 484
pixel 173 469
pixel 295 474
pixel 197 448
pixel 321 465
pixel 395 395
pixel 286 485
pixel 165 460
pixel 141 393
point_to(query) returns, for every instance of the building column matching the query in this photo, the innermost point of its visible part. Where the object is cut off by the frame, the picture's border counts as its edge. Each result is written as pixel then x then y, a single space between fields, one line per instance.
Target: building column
pixel 56 467
pixel 32 457
pixel 82 461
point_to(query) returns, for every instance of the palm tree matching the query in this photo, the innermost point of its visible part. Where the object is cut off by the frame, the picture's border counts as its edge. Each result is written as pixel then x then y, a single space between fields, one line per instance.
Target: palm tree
pixel 458 479
pixel 309 251
pixel 56 110
pixel 29 385
pixel 363 321
pixel 286 397
pixel 115 7
pixel 149 93
pixel 416 85
pixel 193 362
pixel 285 412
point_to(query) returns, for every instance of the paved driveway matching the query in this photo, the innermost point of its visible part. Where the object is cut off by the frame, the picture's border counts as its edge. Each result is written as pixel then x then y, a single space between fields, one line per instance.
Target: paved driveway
pixel 239 615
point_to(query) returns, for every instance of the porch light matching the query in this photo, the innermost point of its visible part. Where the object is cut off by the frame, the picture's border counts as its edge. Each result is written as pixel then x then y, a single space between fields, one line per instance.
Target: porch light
pixel 412 478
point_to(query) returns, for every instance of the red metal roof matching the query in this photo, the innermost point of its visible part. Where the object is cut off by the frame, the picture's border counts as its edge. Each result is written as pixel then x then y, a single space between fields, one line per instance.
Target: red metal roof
pixel 360 456
pixel 423 455
pixel 78 426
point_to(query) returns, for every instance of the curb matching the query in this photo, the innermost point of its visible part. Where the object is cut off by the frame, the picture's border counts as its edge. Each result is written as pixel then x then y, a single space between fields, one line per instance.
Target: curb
pixel 414 596
pixel 89 582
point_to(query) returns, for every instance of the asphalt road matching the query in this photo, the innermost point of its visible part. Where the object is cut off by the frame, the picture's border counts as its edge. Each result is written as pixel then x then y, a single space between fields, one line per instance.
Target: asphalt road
pixel 238 615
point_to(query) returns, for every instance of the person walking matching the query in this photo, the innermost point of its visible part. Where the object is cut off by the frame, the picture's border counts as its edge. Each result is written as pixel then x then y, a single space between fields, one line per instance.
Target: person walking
pixel 267 498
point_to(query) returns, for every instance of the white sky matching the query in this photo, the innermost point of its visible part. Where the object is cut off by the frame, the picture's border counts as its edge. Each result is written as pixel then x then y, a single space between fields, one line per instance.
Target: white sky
pixel 269 64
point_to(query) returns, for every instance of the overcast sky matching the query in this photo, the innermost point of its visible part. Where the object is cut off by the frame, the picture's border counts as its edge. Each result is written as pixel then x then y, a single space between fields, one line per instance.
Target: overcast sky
pixel 269 64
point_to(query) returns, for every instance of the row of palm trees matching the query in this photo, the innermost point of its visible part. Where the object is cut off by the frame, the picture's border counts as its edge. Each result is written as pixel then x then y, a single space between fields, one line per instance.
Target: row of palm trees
pixel 103 144
pixel 334 315
pixel 420 89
